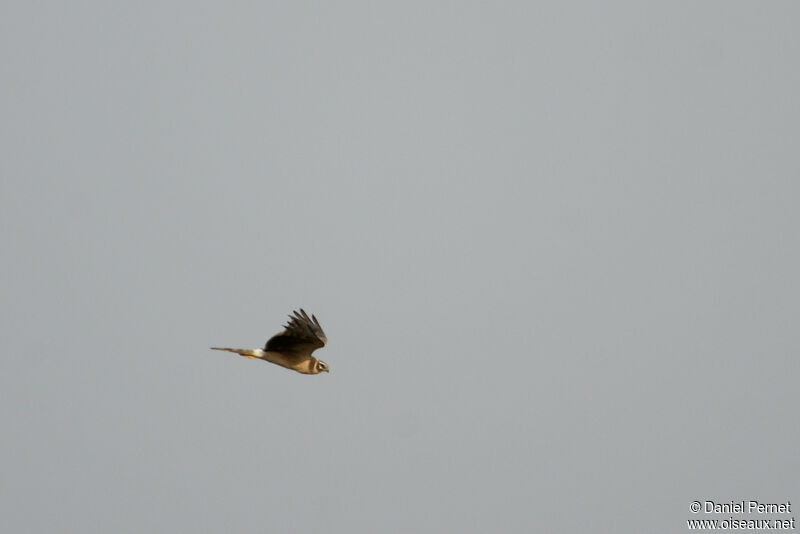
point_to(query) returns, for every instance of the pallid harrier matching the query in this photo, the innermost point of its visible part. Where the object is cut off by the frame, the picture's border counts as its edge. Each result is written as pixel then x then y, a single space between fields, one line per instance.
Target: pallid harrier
pixel 292 348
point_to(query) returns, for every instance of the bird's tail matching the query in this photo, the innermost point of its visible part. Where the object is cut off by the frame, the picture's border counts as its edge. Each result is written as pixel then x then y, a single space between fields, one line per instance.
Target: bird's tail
pixel 247 353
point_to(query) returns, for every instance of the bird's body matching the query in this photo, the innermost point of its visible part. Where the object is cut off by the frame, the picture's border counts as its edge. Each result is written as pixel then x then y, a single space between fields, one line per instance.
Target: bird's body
pixel 292 348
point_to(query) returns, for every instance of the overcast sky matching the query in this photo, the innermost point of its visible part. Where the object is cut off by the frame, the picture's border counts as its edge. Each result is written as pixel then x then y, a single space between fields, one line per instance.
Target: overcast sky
pixel 554 249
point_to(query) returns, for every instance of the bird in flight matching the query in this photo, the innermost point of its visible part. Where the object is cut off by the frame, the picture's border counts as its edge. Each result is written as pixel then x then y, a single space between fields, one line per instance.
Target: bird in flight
pixel 292 348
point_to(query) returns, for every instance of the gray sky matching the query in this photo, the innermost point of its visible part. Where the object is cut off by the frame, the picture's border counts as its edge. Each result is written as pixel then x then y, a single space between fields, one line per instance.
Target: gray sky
pixel 554 248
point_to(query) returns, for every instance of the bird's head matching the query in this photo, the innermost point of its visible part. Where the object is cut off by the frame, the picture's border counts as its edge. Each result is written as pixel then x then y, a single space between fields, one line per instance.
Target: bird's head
pixel 321 367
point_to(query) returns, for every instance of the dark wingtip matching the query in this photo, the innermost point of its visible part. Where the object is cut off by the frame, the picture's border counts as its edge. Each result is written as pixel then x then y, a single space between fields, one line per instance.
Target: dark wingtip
pixel 303 317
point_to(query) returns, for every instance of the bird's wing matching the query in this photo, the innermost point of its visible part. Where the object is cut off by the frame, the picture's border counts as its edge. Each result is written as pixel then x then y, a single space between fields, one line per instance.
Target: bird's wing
pixel 302 336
